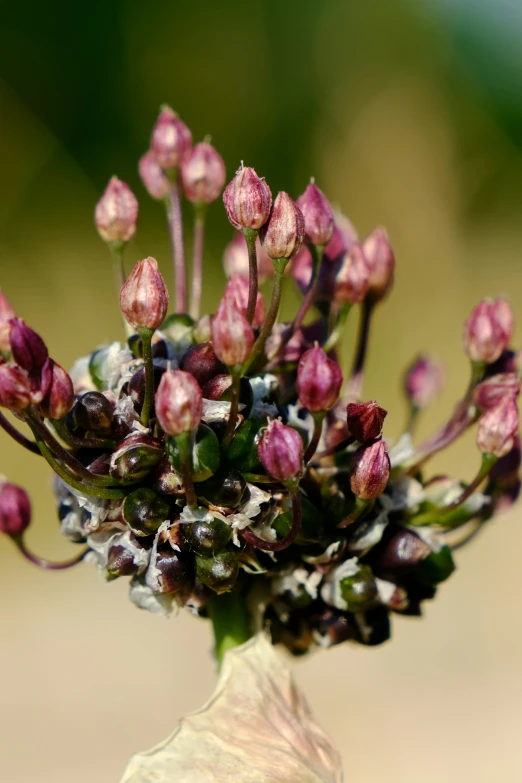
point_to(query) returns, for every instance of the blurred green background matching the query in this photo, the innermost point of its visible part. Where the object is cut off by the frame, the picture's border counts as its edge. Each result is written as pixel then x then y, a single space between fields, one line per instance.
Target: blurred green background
pixel 408 113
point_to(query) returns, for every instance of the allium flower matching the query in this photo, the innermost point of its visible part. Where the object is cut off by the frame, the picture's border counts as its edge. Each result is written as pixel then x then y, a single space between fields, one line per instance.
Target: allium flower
pixel 365 420
pixel 498 427
pixel 488 330
pixel 203 174
pixel 27 347
pixel 153 176
pixel 371 470
pixel 494 390
pixel 144 297
pixel 171 140
pixel 381 262
pixel 281 451
pixel 15 509
pixel 318 215
pixel 319 380
pixel 59 399
pixel 179 402
pixel 6 314
pixel 232 335
pixel 247 199
pixel 116 212
pixel 283 234
pixel 423 381
pixel 352 280
pixel 15 390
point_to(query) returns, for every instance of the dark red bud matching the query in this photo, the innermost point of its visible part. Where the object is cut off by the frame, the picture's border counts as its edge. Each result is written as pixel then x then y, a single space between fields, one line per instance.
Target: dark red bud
pixel 15 510
pixel 15 389
pixel 365 420
pixel 201 361
pixel 319 380
pixel 59 399
pixel 280 450
pixel 28 349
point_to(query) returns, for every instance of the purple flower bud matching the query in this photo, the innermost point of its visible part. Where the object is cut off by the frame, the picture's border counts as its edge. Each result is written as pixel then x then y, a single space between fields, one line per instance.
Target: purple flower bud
pixel 488 330
pixel 381 263
pixel 318 215
pixel 116 212
pixel 232 335
pixel 179 402
pixel 15 510
pixel 280 450
pixel 365 420
pixel 319 380
pixel 144 297
pixel 283 234
pixel 6 314
pixel 153 176
pixel 370 471
pixel 15 389
pixel 203 174
pixel 201 362
pixel 28 348
pixel 492 391
pixel 343 238
pixel 236 291
pixel 424 380
pixel 302 270
pixel 60 397
pixel 352 281
pixel 498 427
pixel 247 199
pixel 171 140
pixel 235 259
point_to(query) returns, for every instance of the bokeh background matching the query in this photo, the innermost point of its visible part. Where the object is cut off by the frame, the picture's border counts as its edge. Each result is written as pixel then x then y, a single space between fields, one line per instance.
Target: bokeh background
pixel 409 115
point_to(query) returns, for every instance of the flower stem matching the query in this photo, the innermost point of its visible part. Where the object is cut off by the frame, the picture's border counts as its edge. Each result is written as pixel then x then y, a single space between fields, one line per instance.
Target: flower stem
pixel 176 234
pixel 230 622
pixel 146 339
pixel 284 543
pixel 80 443
pixel 197 260
pixel 488 461
pixel 185 444
pixel 117 249
pixel 316 436
pixel 271 316
pixel 235 372
pixel 250 235
pixel 356 379
pixel 338 330
pixel 17 436
pixel 48 565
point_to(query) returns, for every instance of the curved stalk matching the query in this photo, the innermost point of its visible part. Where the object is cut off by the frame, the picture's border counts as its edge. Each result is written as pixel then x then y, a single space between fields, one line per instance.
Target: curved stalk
pixel 30 445
pixel 284 543
pixel 316 436
pixel 48 565
pixel 80 443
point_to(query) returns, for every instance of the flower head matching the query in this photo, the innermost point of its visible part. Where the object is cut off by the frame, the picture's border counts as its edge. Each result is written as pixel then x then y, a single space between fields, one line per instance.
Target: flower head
pixel 116 212
pixel 6 314
pixel 232 335
pixel 144 297
pixel 153 176
pixel 236 291
pixel 280 450
pixel 203 174
pixel 423 381
pixel 59 398
pixel 318 215
pixel 15 389
pixel 179 402
pixel 319 380
pixel 488 330
pixel 247 199
pixel 283 233
pixel 494 390
pixel 352 280
pixel 365 420
pixel 498 428
pixel 381 263
pixel 171 140
pixel 370 471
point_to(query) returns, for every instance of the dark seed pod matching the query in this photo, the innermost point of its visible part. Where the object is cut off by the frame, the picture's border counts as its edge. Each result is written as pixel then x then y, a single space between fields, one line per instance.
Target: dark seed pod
pixel 219 388
pixel 219 573
pixel 121 561
pixel 137 382
pixel 359 591
pixel 93 412
pixel 399 552
pixel 166 480
pixel 202 362
pixel 206 454
pixel 136 456
pixel 170 572
pixel 223 489
pixel 207 538
pixel 144 511
pixel 373 627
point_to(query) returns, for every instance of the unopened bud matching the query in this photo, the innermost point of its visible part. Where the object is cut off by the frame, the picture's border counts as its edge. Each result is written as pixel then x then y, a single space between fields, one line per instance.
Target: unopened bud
pixel 93 412
pixel 179 402
pixel 352 280
pixel 124 560
pixel 488 330
pixel 343 238
pixel 15 510
pixel 400 552
pixel 381 263
pixel 225 489
pixel 498 427
pixel 319 380
pixel 219 572
pixel 203 174
pixel 6 313
pixel 28 349
pixel 365 420
pixel 135 457
pixel 423 381
pixel 280 450
pixel 235 259
pixel 232 335
pixel 283 233
pixel 201 362
pixel 15 389
pixel 318 215
pixel 144 298
pixel 370 471
pixel 144 511
pixel 60 397
pixel 236 291
pixel 247 199
pixel 153 176
pixel 207 537
pixel 116 213
pixel 171 140
pixel 494 390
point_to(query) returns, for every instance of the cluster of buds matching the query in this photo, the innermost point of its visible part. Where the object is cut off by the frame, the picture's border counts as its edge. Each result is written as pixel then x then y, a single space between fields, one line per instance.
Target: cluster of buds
pixel 226 453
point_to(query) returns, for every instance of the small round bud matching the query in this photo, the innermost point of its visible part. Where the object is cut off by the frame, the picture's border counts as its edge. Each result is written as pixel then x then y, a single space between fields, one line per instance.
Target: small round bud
pixel 280 450
pixel 423 381
pixel 144 298
pixel 116 213
pixel 235 259
pixel 202 362
pixel 318 215
pixel 225 490
pixel 498 427
pixel 247 199
pixel 319 380
pixel 236 291
pixel 381 263
pixel 15 390
pixel 15 510
pixel 144 511
pixel 179 402
pixel 352 281
pixel 488 330
pixel 93 412
pixel 171 140
pixel 365 420
pixel 135 457
pixel 6 313
pixel 208 537
pixel 28 349
pixel 283 233
pixel 370 470
pixel 219 572
pixel 203 174
pixel 494 390
pixel 121 560
pixel 153 176
pixel 60 397
pixel 232 335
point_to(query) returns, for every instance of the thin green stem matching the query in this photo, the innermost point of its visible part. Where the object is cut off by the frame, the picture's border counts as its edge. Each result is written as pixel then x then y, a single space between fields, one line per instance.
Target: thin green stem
pixel 230 622
pixel 488 461
pixel 197 260
pixel 80 443
pixel 335 336
pixel 316 436
pixel 148 400
pixel 185 443
pixel 360 507
pixel 250 235
pixel 271 316
pixel 234 406
pixel 178 248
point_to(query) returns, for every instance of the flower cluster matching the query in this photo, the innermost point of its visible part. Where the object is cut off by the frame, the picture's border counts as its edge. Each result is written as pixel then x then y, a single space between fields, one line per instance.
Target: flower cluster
pixel 223 461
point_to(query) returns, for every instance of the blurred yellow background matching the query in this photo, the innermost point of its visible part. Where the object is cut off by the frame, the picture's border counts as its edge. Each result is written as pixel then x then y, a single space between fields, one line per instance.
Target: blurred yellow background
pixel 408 114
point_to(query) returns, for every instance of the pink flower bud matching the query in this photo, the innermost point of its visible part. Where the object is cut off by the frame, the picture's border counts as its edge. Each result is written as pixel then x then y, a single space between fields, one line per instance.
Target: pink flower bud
pixel 498 427
pixel 171 140
pixel 237 291
pixel 153 176
pixel 423 381
pixel 488 330
pixel 343 238
pixel 352 281
pixel 6 313
pixel 302 270
pixel 370 471
pixel 280 450
pixel 247 199
pixel 318 215
pixel 27 347
pixel 235 259
pixel 60 398
pixel 15 510
pixel 203 174
pixel 492 391
pixel 365 420
pixel 179 402
pixel 283 234
pixel 144 297
pixel 15 389
pixel 232 335
pixel 381 263
pixel 116 212
pixel 319 380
